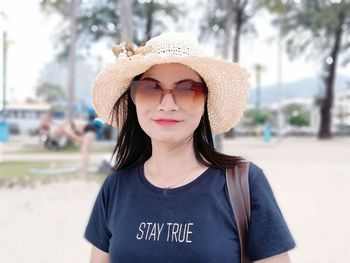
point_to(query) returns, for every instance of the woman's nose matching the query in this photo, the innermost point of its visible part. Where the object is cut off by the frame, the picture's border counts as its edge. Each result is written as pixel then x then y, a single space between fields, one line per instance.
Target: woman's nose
pixel 167 101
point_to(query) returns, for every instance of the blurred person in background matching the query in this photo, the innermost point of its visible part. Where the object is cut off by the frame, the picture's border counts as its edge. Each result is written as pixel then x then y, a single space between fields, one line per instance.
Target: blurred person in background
pixel 78 131
pixel 49 133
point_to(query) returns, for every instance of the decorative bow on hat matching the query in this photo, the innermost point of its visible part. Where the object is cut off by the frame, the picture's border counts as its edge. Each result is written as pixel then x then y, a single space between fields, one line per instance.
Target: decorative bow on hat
pixel 128 49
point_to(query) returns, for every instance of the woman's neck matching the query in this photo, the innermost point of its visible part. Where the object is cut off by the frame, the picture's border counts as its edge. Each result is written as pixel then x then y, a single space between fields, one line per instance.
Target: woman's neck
pixel 169 164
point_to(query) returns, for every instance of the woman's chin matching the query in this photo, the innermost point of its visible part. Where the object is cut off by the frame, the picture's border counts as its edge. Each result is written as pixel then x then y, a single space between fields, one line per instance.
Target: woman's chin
pixel 166 139
pixel 170 138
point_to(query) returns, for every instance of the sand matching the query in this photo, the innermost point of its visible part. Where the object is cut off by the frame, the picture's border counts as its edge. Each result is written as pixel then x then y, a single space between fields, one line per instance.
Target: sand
pixel 311 181
pixel 46 223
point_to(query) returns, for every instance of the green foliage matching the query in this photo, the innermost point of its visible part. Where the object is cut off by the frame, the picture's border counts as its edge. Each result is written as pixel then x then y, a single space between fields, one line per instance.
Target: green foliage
pixel 292 107
pixel 98 20
pixel 217 11
pixel 297 115
pixel 213 22
pixel 260 118
pixel 150 15
pixel 319 29
pixel 309 26
pixel 299 120
pixel 256 117
pixel 51 93
pixel 275 6
pixel 18 173
pixel 55 6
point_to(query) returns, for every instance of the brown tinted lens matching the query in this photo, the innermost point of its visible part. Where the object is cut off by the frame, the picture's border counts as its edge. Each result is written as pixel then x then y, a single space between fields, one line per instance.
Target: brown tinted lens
pixel 188 92
pixel 145 91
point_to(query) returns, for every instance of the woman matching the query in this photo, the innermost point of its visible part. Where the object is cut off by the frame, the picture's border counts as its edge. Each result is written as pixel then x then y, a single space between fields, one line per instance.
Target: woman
pixel 166 200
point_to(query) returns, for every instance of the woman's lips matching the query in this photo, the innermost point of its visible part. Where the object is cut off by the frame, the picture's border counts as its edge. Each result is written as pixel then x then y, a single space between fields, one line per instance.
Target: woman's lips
pixel 166 122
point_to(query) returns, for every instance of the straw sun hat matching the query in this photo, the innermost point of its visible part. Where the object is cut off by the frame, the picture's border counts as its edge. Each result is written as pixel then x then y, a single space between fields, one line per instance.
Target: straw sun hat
pixel 227 82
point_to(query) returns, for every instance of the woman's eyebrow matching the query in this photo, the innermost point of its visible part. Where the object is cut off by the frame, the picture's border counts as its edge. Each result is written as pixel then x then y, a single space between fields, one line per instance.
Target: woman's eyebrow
pixel 177 82
pixel 183 80
pixel 149 78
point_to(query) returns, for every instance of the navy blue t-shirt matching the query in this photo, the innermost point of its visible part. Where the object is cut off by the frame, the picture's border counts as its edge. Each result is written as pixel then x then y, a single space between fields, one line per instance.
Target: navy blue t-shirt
pixel 135 221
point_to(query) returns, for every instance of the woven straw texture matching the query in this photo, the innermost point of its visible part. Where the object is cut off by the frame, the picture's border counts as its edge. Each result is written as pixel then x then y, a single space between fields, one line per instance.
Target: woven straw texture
pixel 227 82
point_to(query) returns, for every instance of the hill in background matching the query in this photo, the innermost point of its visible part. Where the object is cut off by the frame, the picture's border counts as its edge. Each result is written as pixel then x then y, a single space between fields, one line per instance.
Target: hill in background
pixel 305 88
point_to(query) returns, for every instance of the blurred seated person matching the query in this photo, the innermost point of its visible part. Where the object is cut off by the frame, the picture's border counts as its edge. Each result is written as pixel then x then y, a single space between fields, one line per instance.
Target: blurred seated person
pixel 80 132
pixel 45 123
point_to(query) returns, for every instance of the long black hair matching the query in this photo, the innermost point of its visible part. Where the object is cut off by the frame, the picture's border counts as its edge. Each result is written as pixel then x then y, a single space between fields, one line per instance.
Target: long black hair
pixel 134 145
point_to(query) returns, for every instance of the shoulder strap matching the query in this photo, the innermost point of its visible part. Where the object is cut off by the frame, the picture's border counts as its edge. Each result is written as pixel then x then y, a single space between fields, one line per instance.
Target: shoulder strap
pixel 237 182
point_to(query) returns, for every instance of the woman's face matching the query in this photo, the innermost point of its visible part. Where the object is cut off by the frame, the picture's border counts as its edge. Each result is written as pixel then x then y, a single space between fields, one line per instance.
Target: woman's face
pixel 169 101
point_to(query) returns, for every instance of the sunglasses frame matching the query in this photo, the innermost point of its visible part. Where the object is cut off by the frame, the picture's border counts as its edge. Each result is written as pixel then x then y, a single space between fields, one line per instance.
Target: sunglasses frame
pixel 133 88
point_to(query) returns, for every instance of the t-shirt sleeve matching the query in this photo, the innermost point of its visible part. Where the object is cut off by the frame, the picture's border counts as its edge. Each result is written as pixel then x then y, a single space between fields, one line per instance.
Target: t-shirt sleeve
pixel 268 232
pixel 97 231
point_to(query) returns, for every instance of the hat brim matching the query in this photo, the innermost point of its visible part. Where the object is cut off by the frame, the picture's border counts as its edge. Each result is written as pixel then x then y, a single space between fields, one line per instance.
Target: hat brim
pixel 227 86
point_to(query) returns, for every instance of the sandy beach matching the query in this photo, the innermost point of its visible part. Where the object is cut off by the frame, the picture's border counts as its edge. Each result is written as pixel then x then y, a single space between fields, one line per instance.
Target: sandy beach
pixel 311 180
pixel 46 223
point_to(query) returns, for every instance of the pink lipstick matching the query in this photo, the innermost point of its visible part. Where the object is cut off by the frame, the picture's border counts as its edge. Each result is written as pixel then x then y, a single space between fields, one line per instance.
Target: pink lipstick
pixel 166 122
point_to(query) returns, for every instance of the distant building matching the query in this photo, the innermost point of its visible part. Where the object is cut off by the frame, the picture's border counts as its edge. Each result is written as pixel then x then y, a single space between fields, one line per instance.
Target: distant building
pixel 57 73
pixel 341 109
pixel 24 117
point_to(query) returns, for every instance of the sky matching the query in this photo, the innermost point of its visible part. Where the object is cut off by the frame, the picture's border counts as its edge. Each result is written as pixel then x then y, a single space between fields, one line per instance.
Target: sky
pixel 31 46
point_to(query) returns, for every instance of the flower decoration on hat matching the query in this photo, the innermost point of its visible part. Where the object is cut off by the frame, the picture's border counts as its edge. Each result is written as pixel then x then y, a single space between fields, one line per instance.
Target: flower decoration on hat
pixel 129 49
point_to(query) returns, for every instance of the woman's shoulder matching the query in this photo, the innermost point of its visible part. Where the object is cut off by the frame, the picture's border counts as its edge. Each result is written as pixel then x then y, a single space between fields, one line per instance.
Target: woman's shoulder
pixel 256 175
pixel 255 170
pixel 121 175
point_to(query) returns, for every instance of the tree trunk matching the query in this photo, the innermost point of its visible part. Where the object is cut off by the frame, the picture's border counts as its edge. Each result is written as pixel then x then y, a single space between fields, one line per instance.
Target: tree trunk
pixel 149 22
pixel 236 42
pixel 229 22
pixel 327 103
pixel 72 62
pixel 237 38
pixel 126 20
pixel 4 73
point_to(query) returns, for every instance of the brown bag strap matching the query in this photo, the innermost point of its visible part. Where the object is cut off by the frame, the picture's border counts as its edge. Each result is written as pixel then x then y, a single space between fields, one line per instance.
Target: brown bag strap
pixel 237 182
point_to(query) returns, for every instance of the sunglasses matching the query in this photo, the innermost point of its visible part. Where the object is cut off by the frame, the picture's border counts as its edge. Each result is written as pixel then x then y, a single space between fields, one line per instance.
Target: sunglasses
pixel 185 93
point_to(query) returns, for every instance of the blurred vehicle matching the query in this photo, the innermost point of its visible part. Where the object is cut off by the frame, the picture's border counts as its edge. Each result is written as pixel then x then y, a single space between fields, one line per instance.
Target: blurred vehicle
pixel 245 131
pixel 341 130
pixel 299 131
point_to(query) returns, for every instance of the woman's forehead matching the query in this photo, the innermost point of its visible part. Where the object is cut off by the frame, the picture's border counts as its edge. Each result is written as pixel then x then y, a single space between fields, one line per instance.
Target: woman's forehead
pixel 171 70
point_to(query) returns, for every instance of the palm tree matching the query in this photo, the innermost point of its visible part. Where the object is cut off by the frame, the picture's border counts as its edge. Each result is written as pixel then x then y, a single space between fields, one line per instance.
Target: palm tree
pixel 319 29
pixel 90 22
pixel 150 17
pixel 226 19
pixel 102 20
pixel 223 17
